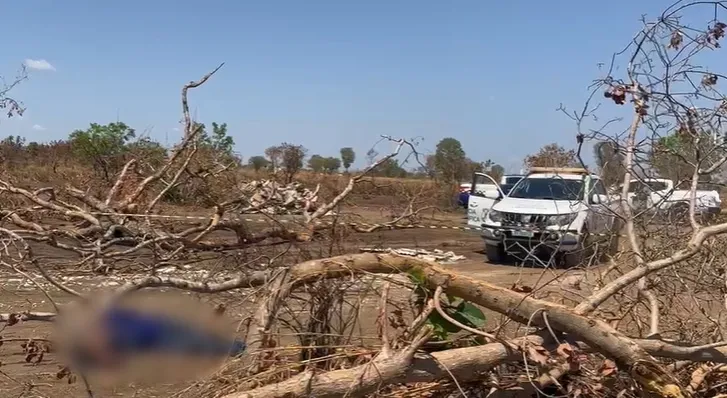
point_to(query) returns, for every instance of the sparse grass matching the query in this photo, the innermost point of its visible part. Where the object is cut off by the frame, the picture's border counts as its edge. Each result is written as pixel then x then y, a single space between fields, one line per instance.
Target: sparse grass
pixel 206 192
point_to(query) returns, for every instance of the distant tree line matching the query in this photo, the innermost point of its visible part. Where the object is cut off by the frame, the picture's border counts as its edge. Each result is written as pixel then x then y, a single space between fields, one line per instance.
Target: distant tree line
pixel 449 163
pixel 106 148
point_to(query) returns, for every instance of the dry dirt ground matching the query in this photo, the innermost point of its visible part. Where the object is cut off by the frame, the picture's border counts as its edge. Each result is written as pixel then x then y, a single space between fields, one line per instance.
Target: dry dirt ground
pixel 18 378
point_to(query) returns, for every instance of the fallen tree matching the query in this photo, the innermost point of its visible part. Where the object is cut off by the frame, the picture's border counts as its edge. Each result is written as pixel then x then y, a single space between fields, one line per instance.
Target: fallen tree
pixel 637 356
pixel 584 341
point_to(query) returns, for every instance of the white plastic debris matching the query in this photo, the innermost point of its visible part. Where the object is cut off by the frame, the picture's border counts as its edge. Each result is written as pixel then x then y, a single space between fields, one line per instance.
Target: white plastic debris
pixel 436 255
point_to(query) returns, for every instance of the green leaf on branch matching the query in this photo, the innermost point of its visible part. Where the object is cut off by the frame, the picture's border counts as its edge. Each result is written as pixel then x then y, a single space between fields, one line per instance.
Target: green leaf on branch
pixel 441 327
pixel 416 275
pixel 469 315
pixel 465 313
pixel 454 301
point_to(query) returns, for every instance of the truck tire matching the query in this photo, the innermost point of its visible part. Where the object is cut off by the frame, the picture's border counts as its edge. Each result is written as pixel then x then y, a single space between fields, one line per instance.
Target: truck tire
pixel 678 213
pixel 708 218
pixel 612 244
pixel 573 259
pixel 577 257
pixel 495 254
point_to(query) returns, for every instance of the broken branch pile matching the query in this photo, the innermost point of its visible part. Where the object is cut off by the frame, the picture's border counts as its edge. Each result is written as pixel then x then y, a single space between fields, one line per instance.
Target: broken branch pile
pixel 436 255
pixel 271 197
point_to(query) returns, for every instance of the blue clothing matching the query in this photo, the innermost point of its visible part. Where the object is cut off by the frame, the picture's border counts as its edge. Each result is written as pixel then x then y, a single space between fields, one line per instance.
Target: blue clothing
pixel 134 332
pixel 463 198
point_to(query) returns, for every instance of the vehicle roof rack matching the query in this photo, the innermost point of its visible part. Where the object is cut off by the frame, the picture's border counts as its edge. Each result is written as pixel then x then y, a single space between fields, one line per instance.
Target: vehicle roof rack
pixel 559 170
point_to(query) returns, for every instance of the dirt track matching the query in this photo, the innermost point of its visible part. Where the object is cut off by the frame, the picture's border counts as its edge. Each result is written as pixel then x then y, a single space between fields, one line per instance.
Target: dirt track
pixel 17 296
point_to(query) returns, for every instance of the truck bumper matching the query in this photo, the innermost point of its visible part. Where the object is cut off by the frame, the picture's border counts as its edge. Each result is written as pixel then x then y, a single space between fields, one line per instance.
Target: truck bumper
pixel 712 210
pixel 562 241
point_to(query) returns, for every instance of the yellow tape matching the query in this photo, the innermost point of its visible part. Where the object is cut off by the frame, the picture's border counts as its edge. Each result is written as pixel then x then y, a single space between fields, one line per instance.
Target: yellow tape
pixel 316 222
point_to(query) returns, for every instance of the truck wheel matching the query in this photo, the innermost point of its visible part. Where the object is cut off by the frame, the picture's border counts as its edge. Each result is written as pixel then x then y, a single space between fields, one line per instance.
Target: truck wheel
pixel 613 239
pixel 708 217
pixel 678 213
pixel 574 259
pixel 495 254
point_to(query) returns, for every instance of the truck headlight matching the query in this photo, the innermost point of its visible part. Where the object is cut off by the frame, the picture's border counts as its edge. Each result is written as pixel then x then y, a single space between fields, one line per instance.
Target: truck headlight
pixel 494 216
pixel 562 220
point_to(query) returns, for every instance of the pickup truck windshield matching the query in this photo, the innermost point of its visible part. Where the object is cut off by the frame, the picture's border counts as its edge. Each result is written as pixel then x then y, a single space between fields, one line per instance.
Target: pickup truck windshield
pixel 548 188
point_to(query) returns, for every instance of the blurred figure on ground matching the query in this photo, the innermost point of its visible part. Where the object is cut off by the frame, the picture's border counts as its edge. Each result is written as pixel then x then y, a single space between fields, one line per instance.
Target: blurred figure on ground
pixel 155 336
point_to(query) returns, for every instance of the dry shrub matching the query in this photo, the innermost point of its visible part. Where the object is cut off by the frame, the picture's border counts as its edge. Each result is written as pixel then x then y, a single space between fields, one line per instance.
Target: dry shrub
pixel 199 190
pixel 373 190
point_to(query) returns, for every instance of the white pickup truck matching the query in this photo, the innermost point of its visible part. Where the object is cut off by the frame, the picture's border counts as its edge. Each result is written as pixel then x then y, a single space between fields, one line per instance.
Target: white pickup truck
pixel 484 192
pixel 660 195
pixel 561 210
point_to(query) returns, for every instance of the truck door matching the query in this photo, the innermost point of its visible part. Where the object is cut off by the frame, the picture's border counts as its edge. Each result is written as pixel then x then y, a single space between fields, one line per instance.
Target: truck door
pixel 484 193
pixel 600 215
pixel 659 193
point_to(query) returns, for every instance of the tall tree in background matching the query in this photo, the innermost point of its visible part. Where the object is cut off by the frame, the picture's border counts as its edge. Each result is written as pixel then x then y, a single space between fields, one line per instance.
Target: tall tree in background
pixel 470 167
pixel 488 167
pixel 148 150
pixel 553 155
pixel 331 164
pixel 348 156
pixel 449 159
pixel 217 144
pixel 609 159
pixel 220 142
pixel 292 160
pixel 274 155
pixel 429 167
pixel 258 162
pixel 496 172
pixel 674 156
pixel 390 168
pixel 316 163
pixel 102 146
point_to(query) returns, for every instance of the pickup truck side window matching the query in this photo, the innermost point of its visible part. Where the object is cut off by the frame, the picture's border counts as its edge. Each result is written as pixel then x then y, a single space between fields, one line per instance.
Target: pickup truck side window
pixel 701 186
pixel 513 180
pixel 599 188
pixel 652 186
pixel 506 188
pixel 482 184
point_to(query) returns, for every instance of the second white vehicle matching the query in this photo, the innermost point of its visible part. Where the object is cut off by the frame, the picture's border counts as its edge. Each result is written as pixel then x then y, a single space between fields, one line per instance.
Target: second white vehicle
pixel 660 195
pixel 561 210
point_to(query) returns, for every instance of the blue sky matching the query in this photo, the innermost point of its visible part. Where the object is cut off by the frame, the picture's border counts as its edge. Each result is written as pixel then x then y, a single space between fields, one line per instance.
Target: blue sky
pixel 321 73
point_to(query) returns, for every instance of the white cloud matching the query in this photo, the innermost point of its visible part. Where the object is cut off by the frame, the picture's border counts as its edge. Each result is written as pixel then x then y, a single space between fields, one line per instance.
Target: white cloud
pixel 39 64
pixel 38 127
pixel 176 129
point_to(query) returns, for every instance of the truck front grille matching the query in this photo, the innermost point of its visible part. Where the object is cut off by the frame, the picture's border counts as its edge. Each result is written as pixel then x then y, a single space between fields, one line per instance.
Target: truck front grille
pixel 524 220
